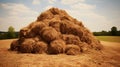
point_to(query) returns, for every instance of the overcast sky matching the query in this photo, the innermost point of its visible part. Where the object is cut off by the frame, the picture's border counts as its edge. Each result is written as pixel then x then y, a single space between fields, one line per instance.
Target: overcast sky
pixel 96 15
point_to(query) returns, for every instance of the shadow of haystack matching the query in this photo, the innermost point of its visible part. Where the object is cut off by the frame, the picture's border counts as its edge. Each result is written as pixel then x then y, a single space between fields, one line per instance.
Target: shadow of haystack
pixel 55 32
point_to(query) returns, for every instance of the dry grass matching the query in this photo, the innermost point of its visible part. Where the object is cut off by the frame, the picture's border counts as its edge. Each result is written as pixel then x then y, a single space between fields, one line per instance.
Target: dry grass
pixel 109 38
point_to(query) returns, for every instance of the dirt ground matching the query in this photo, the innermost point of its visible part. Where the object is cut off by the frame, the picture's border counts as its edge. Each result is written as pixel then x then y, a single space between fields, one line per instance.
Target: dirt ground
pixel 108 57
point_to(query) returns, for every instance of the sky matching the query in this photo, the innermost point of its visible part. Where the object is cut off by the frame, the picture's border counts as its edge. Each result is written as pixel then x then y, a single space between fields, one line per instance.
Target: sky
pixel 96 15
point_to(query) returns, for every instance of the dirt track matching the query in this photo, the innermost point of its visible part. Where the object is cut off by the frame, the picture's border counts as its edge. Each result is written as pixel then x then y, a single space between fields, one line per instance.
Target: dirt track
pixel 108 57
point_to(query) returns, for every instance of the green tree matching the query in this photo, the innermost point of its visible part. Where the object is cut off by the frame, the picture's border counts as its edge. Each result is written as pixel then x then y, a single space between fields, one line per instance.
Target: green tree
pixel 11 33
pixel 114 31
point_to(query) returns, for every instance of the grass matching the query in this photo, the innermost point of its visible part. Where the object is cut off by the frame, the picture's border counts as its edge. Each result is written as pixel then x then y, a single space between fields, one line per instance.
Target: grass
pixel 109 38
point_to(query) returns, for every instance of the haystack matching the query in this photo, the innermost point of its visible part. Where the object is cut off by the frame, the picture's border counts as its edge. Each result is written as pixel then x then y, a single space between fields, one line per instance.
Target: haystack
pixel 55 32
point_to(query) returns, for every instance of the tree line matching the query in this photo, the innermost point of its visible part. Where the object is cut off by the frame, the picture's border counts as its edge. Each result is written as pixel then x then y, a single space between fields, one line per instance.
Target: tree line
pixel 112 32
pixel 10 34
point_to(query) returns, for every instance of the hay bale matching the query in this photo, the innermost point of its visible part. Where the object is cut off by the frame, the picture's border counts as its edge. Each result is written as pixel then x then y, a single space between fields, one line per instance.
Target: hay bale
pixel 45 15
pixel 26 33
pixel 56 47
pixel 72 49
pixel 71 39
pixel 67 27
pixel 23 32
pixel 49 34
pixel 84 47
pixel 40 47
pixel 14 45
pixel 27 46
pixel 55 24
pixel 86 38
pixel 37 27
pixel 54 11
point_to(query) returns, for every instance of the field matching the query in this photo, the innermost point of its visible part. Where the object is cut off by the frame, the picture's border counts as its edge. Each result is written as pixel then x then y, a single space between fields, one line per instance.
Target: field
pixel 109 38
pixel 108 57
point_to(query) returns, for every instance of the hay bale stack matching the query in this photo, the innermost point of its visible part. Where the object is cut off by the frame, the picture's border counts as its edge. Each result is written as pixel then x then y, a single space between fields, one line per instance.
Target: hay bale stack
pixel 72 49
pixel 55 32
pixel 56 47
pixel 40 47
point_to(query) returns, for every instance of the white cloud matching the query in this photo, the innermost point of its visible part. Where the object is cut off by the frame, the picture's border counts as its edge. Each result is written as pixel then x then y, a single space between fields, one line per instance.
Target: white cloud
pixel 82 6
pixel 90 19
pixel 36 2
pixel 51 1
pixel 18 16
pixel 68 2
pixel 85 12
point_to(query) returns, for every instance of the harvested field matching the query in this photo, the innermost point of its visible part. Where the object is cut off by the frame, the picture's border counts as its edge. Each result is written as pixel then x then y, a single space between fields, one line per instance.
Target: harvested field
pixel 108 57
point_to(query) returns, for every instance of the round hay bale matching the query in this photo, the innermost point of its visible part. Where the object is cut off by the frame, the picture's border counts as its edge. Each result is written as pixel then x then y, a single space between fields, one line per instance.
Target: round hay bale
pixel 27 46
pixel 56 47
pixel 21 40
pixel 23 32
pixel 37 27
pixel 55 24
pixel 67 27
pixel 45 15
pixel 72 49
pixel 54 11
pixel 86 38
pixel 26 33
pixel 49 34
pixel 71 39
pixel 14 45
pixel 78 31
pixel 40 47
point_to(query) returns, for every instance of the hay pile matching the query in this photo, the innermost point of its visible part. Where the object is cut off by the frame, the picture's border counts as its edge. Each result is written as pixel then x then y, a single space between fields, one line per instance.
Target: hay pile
pixel 55 32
